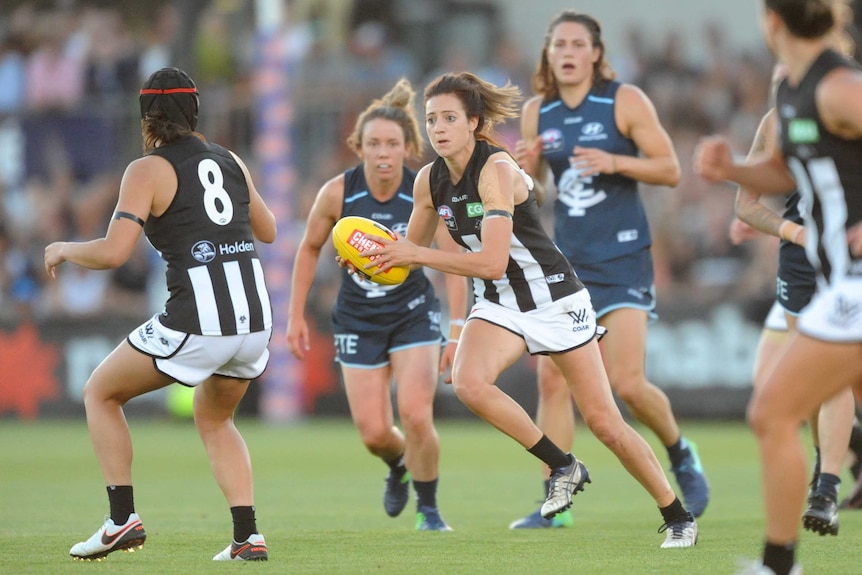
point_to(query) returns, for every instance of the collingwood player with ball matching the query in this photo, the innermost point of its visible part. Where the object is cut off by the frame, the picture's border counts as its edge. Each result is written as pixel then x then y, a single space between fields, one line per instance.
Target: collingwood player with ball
pixel 384 331
pixel 198 206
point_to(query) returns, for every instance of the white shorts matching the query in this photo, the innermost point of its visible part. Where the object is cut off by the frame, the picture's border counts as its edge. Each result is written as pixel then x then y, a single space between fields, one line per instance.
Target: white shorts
pixel 835 313
pixel 561 326
pixel 775 319
pixel 190 359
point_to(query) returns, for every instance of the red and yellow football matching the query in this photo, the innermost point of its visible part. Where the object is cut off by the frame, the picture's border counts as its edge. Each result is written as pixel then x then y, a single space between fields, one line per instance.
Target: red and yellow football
pixel 348 237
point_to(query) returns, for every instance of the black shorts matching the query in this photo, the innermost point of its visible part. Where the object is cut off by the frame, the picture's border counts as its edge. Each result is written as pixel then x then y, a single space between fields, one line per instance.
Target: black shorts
pixel 796 283
pixel 624 282
pixel 366 340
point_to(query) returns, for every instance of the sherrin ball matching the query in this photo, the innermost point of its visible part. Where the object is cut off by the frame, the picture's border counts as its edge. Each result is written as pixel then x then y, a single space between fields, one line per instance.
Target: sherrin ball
pixel 348 237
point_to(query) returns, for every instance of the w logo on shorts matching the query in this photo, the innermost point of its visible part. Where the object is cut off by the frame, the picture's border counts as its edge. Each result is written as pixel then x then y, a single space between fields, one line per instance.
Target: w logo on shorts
pixel 579 316
pixel 845 312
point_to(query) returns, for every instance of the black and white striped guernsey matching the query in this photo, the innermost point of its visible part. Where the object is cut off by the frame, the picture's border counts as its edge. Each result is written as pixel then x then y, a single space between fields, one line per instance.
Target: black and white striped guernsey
pixel 214 276
pixel 537 273
pixel 827 169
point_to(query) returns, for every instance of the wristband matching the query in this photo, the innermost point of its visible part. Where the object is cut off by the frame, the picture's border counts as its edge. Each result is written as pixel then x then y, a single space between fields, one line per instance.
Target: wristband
pixel 456 322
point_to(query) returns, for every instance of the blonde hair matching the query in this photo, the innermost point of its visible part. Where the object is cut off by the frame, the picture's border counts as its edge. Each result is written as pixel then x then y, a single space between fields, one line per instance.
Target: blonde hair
pixel 397 106
pixel 493 105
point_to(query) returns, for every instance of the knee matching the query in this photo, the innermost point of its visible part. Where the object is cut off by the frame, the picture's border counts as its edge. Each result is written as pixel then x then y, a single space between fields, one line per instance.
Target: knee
pixel 756 418
pixel 628 386
pixel 417 418
pixel 552 385
pixel 606 429
pixel 468 389
pixel 375 436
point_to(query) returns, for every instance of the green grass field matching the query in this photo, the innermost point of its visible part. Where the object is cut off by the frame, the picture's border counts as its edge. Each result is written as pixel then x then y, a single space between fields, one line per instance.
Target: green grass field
pixel 319 505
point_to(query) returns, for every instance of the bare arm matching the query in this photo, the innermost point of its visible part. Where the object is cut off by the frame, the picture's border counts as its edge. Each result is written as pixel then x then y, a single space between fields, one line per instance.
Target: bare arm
pixel 263 224
pixel 764 174
pixel 637 119
pixel 321 219
pixel 138 188
pixel 528 149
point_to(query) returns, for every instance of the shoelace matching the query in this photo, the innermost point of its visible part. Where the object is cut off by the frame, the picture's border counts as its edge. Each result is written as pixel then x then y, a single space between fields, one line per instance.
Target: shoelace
pixel 677 529
pixel 559 484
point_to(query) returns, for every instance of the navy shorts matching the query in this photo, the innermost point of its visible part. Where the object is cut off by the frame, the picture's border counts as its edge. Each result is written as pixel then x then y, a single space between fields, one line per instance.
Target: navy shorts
pixel 367 340
pixel 624 282
pixel 796 283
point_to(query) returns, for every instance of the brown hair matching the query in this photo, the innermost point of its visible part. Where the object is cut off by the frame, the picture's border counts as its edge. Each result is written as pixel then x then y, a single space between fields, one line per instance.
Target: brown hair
pixel 808 18
pixel 397 106
pixel 158 129
pixel 491 104
pixel 544 82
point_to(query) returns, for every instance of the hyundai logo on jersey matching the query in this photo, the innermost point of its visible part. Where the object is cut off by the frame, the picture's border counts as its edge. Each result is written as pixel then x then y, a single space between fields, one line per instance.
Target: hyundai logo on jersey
pixel 204 251
pixel 593 131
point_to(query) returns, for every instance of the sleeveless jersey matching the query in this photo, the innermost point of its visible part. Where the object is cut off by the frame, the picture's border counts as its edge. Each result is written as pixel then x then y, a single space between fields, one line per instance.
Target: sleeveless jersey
pixel 827 171
pixel 537 273
pixel 214 276
pixel 354 296
pixel 601 217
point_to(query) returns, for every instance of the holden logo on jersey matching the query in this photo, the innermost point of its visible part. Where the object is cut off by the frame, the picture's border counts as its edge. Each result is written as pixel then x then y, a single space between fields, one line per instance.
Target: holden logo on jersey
pixel 592 131
pixel 552 140
pixel 204 251
pixel 448 216
pixel 235 248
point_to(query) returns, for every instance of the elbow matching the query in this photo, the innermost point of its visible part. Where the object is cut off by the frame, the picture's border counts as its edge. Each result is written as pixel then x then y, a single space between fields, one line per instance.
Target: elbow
pixel 492 271
pixel 674 176
pixel 267 234
pixel 113 260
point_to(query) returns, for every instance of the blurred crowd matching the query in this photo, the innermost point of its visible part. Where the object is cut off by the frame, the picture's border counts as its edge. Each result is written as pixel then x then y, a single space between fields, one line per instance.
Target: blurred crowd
pixel 69 124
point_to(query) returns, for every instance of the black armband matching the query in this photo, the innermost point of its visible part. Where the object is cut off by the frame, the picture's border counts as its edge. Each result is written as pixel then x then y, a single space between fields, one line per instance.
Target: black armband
pixel 128 216
pixel 500 213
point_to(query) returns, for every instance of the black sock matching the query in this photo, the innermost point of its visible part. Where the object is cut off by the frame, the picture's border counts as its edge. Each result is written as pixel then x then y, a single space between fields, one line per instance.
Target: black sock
pixel 856 440
pixel 815 474
pixel 397 464
pixel 677 452
pixel 244 523
pixel 547 451
pixel 426 493
pixel 122 502
pixel 675 512
pixel 828 484
pixel 779 558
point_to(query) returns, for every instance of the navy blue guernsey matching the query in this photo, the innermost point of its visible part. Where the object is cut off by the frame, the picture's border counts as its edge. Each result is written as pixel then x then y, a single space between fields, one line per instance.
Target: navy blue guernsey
pixel 827 171
pixel 354 296
pixel 791 257
pixel 214 276
pixel 537 273
pixel 601 217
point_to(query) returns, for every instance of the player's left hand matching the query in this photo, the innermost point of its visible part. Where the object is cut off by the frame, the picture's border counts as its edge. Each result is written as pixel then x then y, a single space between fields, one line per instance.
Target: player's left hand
pixel 592 161
pixel 53 258
pixel 393 253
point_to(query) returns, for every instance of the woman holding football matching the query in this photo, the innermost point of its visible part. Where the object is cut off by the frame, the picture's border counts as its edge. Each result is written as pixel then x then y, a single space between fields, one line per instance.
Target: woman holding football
pixel 527 296
pixel 384 332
